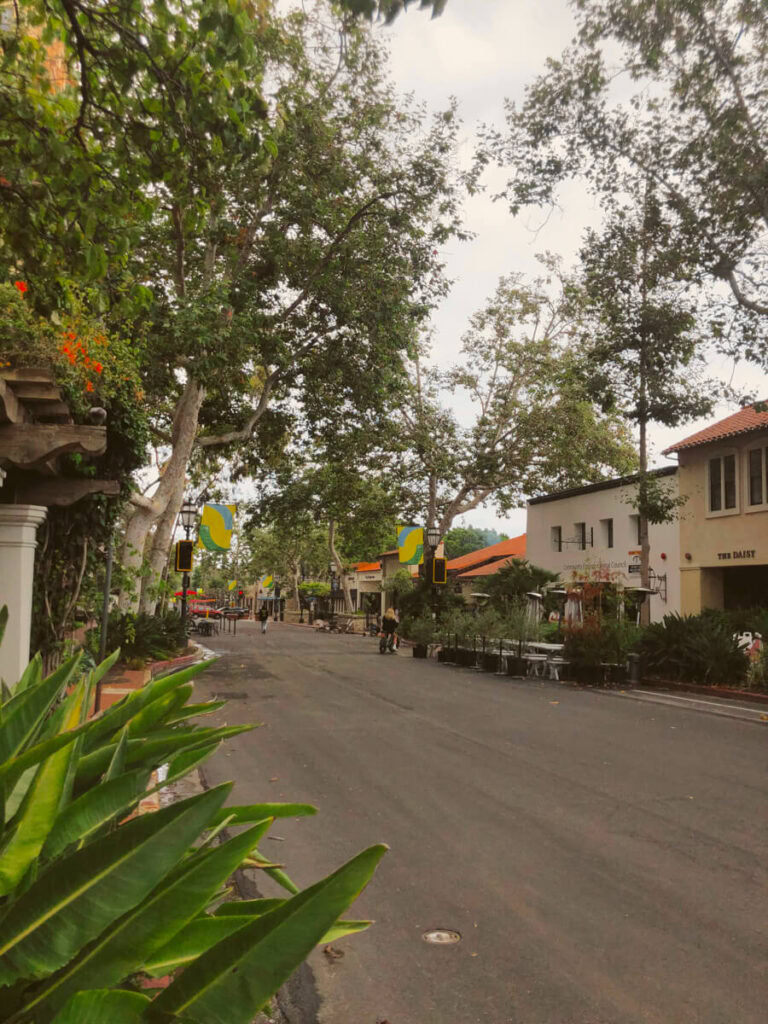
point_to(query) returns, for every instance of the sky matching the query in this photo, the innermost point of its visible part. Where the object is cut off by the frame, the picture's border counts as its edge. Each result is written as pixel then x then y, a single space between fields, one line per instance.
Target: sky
pixel 481 51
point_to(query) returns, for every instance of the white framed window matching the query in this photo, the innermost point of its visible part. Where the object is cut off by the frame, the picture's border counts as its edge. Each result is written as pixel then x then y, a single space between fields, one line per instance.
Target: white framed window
pixel 606 533
pixel 756 479
pixel 723 484
pixel 556 538
pixel 580 535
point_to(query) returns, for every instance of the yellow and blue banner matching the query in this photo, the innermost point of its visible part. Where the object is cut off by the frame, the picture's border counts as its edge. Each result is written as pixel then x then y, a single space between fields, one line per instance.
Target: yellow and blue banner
pixel 216 525
pixel 267 582
pixel 232 584
pixel 410 544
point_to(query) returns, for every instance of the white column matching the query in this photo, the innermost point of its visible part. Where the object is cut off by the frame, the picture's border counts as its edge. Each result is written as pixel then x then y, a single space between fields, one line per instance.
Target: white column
pixel 18 540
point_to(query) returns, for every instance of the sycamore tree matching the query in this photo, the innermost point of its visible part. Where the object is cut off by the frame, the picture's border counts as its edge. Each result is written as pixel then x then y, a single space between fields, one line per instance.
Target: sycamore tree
pixel 694 127
pixel 290 547
pixel 642 342
pixel 294 291
pixel 529 424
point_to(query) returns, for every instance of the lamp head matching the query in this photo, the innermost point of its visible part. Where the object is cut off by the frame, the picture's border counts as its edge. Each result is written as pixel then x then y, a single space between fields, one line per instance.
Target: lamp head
pixel 188 514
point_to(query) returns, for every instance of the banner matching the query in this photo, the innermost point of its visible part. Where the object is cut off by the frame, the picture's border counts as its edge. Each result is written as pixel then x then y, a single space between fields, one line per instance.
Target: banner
pixel 267 582
pixel 216 525
pixel 232 584
pixel 410 544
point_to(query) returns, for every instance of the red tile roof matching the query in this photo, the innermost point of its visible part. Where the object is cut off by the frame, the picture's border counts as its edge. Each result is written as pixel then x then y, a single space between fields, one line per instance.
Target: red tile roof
pixel 742 422
pixel 368 566
pixel 486 570
pixel 512 548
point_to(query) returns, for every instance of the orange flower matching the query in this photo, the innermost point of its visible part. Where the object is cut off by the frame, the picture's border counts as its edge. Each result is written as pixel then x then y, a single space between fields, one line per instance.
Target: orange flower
pixel 87 360
pixel 98 367
pixel 71 335
pixel 21 286
pixel 89 386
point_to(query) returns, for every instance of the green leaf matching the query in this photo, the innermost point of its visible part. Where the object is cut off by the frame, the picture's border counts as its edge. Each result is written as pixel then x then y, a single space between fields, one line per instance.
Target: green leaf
pixel 122 949
pixel 24 712
pixel 80 895
pixel 117 763
pixel 232 980
pixel 159 710
pixel 99 1006
pixel 116 716
pixel 101 670
pixel 193 710
pixel 94 809
pixel 40 807
pixel 243 814
pixel 3 621
pixel 12 770
pixel 31 675
pixel 342 928
pixel 192 941
pixel 255 908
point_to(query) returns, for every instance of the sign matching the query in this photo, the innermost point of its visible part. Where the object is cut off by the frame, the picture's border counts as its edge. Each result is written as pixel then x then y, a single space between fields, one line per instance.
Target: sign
pixel 744 553
pixel 633 568
pixel 232 584
pixel 216 525
pixel 410 544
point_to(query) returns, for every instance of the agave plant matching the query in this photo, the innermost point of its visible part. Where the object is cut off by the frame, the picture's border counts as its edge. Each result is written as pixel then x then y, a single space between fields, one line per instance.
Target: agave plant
pixel 93 897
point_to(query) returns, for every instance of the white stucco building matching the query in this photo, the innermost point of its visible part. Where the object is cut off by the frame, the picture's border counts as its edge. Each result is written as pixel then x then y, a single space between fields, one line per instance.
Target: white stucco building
pixel 594 529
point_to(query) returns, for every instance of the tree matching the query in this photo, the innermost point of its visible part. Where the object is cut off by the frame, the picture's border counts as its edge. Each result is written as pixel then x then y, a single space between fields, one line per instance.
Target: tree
pixel 694 128
pixel 514 580
pixel 642 339
pixel 390 9
pixel 295 284
pixel 292 546
pixel 528 407
pixel 461 540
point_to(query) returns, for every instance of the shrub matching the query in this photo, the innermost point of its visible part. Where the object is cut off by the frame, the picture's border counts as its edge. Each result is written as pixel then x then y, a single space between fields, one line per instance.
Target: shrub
pixel 141 637
pixel 92 897
pixel 421 631
pixel 694 649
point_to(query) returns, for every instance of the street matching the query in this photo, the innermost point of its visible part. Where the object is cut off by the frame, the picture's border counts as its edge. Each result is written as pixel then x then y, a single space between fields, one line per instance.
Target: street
pixel 604 860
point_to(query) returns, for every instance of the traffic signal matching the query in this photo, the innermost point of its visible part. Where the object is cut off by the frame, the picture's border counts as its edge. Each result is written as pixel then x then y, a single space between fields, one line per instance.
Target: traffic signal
pixel 436 570
pixel 184 555
pixel 240 593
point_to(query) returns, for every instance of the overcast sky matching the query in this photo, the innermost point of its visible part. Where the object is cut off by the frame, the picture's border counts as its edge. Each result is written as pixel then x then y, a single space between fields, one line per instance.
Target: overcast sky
pixel 481 51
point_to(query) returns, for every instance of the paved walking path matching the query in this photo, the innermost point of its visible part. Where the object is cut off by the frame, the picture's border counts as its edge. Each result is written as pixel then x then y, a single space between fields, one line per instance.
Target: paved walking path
pixel 603 860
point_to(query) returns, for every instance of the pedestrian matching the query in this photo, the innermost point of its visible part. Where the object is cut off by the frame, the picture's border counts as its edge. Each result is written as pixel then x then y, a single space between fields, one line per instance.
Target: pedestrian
pixel 264 617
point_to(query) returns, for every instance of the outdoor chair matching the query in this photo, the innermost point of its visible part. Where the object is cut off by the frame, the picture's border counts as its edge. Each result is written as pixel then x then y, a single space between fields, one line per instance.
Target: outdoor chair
pixel 556 666
pixel 536 664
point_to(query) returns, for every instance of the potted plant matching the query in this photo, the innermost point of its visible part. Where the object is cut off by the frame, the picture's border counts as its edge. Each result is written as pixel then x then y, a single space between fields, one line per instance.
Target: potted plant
pixel 422 632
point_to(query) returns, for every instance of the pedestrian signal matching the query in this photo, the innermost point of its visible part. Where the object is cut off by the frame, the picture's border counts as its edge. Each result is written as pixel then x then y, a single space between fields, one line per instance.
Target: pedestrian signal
pixel 184 555
pixel 436 570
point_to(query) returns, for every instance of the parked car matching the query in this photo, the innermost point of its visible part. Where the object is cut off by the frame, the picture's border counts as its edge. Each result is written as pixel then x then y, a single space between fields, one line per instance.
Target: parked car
pixel 240 612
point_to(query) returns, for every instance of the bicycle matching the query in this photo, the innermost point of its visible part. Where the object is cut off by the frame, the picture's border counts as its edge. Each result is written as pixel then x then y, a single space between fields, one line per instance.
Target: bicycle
pixel 387 643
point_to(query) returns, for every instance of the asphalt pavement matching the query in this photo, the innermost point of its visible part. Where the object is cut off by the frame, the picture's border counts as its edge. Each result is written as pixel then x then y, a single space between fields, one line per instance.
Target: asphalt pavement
pixel 603 861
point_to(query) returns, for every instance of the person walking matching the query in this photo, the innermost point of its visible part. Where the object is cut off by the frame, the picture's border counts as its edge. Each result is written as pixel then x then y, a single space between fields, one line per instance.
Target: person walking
pixel 264 617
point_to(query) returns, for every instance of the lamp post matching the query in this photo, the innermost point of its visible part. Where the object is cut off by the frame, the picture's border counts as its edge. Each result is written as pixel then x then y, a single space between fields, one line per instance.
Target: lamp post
pixel 301 602
pixel 432 536
pixel 188 517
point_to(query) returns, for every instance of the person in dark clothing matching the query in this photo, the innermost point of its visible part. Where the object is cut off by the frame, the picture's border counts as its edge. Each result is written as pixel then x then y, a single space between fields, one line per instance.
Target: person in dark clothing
pixel 389 628
pixel 264 617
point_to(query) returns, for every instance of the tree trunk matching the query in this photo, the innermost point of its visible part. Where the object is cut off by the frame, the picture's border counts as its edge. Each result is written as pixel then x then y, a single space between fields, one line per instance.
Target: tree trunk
pixel 158 558
pixel 339 566
pixel 645 547
pixel 142 519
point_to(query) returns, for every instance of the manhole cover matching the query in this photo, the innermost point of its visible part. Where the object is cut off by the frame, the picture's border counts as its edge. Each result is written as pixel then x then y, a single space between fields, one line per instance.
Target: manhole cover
pixel 441 936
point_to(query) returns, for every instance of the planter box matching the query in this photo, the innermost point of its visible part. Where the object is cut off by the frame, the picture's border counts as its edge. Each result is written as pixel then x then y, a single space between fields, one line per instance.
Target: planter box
pixel 420 650
pixel 516 666
pixel 490 662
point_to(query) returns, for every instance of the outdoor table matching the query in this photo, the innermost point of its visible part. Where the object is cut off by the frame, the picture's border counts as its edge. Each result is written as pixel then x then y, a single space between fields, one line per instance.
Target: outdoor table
pixel 550 652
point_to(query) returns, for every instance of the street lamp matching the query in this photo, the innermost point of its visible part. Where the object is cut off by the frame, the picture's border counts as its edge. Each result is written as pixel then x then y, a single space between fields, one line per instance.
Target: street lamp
pixel 188 516
pixel 432 536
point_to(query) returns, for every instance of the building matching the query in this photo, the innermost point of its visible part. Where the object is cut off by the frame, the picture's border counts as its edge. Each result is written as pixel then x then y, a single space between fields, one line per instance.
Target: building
pixel 723 471
pixel 467 572
pixel 594 531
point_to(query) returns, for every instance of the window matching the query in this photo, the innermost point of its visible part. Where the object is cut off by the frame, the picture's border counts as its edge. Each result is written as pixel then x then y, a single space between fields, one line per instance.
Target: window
pixel 758 473
pixel 634 528
pixel 580 530
pixel 7 19
pixel 606 532
pixel 556 537
pixel 722 483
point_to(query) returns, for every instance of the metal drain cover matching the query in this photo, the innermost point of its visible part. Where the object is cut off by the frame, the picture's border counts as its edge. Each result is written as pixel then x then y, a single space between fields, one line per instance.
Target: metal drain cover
pixel 441 936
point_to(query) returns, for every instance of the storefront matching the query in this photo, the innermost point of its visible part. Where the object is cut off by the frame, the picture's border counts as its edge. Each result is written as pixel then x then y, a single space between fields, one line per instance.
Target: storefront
pixel 723 472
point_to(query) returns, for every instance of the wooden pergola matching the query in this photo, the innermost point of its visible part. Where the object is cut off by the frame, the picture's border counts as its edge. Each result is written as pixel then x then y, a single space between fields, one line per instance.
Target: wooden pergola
pixel 36 429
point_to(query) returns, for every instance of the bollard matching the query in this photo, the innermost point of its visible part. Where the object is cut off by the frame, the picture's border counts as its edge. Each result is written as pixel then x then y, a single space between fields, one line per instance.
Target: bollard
pixel 633 669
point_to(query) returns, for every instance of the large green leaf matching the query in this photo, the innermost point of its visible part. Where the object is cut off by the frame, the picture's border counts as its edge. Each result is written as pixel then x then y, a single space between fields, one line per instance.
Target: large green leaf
pixel 13 769
pixel 41 804
pixel 116 717
pixel 244 814
pixel 101 670
pixel 31 675
pixel 253 907
pixel 159 710
pixel 80 895
pixel 194 940
pixel 193 710
pixel 94 809
pixel 23 713
pixel 105 1006
pixel 232 980
pixel 151 751
pixel 122 949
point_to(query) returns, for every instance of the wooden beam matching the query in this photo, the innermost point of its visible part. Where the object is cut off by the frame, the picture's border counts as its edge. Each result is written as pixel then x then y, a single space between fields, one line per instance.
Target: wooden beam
pixel 50 412
pixel 32 374
pixel 36 391
pixel 24 444
pixel 11 411
pixel 62 491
